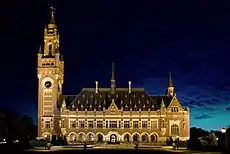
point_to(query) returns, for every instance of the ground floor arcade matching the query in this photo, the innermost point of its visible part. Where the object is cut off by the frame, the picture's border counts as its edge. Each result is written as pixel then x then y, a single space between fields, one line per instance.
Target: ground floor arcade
pixel 111 136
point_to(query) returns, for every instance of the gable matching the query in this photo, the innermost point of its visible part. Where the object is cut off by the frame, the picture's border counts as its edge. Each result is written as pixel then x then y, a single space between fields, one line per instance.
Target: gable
pixel 174 103
pixel 113 107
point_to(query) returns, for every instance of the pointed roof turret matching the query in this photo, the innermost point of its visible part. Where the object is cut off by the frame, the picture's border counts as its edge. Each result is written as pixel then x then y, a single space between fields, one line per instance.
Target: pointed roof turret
pixel 40 49
pixel 162 103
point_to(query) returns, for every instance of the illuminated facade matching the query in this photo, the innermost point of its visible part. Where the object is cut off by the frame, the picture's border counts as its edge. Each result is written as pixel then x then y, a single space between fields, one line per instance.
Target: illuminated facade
pixel 102 114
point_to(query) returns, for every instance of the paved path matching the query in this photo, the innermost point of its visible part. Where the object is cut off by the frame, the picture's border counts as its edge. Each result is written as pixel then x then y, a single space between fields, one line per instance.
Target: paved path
pixel 121 147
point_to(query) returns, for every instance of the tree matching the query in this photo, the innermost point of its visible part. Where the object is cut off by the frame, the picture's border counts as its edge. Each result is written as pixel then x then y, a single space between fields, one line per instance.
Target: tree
pixel 15 127
pixel 195 133
pixel 212 139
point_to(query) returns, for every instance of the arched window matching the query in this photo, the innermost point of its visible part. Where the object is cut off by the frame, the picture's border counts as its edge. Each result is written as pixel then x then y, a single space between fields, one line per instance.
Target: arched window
pixel 50 49
pixel 175 130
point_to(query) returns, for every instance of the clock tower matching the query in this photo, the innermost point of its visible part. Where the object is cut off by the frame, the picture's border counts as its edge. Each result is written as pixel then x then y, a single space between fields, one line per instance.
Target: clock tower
pixel 50 72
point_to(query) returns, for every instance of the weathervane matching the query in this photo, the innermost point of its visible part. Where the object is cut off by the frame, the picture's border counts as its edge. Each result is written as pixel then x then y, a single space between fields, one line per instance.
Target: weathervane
pixel 52 9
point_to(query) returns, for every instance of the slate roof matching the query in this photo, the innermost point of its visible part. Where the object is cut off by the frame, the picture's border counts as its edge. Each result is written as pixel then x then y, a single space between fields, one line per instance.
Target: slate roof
pixel 138 98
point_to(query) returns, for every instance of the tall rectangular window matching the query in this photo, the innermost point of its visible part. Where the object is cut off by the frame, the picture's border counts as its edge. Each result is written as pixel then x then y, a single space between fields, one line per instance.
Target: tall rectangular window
pixel 99 124
pixel 47 124
pixel 73 124
pixel 154 124
pixel 112 124
pixel 82 124
pixel 90 124
pixel 174 109
pixel 144 124
pixel 135 124
pixel 126 124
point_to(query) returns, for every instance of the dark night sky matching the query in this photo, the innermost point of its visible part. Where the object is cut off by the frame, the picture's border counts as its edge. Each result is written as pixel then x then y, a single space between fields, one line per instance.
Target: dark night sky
pixel 146 41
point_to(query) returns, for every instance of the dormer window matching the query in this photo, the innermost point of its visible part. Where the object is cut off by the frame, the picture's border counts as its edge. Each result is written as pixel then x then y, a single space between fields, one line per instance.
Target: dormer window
pixel 174 109
pixel 135 107
pixel 153 106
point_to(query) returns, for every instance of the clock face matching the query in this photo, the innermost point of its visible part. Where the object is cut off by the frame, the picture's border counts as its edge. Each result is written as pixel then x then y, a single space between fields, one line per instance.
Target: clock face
pixel 48 84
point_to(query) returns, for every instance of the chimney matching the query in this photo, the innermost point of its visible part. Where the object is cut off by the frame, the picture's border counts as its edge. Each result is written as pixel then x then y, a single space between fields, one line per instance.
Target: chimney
pixel 130 88
pixel 96 89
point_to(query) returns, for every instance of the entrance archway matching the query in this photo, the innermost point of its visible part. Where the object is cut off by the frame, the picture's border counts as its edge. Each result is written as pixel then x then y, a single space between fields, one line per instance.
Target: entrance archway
pixel 47 136
pixel 127 138
pixel 90 137
pixel 72 137
pixel 153 138
pixel 113 138
pixel 81 137
pixel 144 138
pixel 136 138
pixel 100 138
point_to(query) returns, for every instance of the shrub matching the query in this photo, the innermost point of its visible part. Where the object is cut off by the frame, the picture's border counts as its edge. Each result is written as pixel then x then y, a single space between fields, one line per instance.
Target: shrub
pixel 41 143
pixel 183 144
pixel 169 141
pixel 194 144
pixel 33 143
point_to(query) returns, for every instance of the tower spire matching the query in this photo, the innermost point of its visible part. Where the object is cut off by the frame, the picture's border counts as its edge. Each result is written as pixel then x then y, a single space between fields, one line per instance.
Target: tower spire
pixel 170 83
pixel 170 90
pixel 113 82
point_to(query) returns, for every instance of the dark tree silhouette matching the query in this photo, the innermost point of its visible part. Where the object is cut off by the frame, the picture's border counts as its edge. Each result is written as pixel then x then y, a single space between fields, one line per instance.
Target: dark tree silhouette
pixel 13 127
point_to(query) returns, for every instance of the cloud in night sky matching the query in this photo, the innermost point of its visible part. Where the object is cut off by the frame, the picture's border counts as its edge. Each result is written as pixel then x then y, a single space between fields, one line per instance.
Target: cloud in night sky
pixel 204 116
pixel 207 98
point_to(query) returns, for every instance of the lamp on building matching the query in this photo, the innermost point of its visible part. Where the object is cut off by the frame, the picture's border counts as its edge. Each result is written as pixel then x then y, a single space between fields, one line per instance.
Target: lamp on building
pixel 83 138
pixel 96 89
pixel 130 87
pixel 92 138
pixel 223 130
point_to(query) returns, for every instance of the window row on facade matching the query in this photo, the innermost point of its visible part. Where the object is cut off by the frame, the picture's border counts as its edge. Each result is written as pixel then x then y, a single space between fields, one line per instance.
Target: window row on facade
pixel 113 124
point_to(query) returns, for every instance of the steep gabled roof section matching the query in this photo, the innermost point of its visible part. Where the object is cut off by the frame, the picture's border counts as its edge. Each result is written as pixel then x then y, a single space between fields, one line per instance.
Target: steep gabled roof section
pixel 137 99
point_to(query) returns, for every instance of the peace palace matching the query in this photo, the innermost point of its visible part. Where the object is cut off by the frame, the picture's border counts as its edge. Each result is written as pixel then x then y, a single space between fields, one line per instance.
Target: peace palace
pixel 102 114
